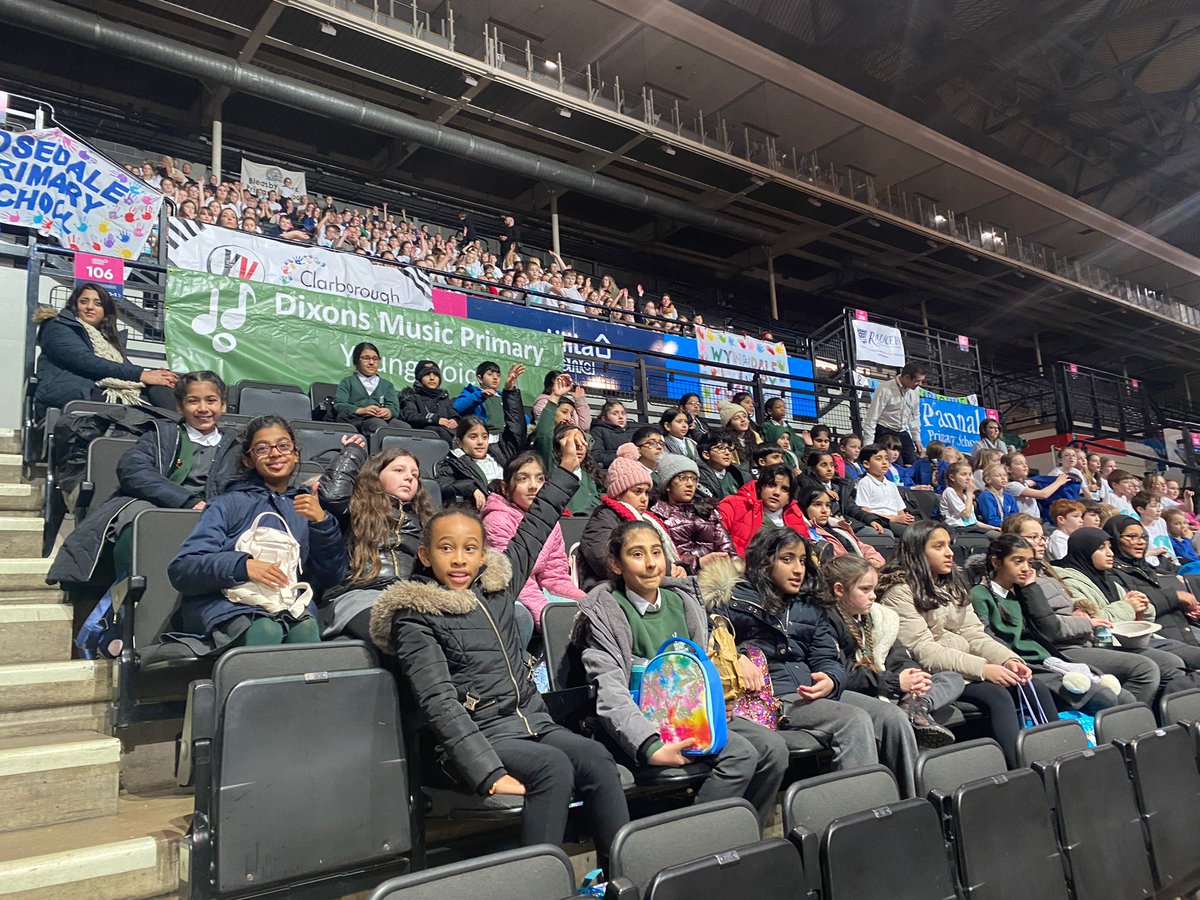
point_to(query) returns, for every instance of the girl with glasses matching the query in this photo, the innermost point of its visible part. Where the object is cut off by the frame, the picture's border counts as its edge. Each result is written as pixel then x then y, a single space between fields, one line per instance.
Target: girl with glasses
pixel 209 564
pixel 691 520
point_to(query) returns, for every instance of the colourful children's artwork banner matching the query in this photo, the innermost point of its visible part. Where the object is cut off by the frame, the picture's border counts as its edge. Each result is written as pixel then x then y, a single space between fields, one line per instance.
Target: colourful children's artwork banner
pixel 64 189
pixel 716 349
pixel 269 332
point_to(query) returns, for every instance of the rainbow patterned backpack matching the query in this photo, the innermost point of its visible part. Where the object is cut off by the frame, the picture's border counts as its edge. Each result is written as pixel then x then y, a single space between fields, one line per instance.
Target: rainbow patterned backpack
pixel 681 694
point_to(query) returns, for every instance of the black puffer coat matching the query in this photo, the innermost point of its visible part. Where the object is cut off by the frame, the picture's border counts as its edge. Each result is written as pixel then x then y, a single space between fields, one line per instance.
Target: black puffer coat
pixel 461 653
pixel 606 438
pixel 142 474
pixel 796 643
pixel 398 553
pixel 455 475
pixel 421 407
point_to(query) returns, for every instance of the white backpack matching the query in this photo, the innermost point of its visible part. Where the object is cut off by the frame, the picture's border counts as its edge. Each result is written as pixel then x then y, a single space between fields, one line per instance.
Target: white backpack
pixel 270 545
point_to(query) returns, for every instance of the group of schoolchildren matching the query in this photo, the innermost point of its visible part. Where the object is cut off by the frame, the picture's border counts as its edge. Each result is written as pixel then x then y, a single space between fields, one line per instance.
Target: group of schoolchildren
pixel 685 520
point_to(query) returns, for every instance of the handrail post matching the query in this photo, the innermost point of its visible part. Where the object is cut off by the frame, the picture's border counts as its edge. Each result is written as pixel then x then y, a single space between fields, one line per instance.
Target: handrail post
pixel 643 388
pixel 851 368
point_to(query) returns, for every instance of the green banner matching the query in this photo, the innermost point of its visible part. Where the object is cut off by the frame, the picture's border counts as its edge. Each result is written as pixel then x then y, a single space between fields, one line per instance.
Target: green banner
pixel 269 332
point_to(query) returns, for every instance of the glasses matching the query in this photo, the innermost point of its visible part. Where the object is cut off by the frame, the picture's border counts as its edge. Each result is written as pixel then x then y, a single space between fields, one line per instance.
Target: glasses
pixel 258 451
pixel 1134 538
pixel 365 358
pixel 725 447
pixel 653 445
pixel 686 478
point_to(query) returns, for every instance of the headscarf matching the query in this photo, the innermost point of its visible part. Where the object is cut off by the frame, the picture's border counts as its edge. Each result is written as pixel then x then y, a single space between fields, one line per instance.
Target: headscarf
pixel 1116 527
pixel 1080 547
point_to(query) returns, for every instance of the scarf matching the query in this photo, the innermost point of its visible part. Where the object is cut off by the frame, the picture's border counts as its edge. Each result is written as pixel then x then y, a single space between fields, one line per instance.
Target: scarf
pixel 116 390
pixel 629 514
pixel 1080 547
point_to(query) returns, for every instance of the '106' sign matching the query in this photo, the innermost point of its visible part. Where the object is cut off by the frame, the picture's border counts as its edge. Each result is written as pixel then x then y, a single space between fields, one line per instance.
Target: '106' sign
pixel 104 270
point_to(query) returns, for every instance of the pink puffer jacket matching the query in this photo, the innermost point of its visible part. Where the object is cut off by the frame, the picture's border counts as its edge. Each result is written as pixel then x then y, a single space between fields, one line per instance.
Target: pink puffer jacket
pixel 550 573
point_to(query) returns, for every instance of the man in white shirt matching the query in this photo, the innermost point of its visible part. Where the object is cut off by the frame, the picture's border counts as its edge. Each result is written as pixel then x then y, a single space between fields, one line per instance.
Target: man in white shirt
pixel 895 410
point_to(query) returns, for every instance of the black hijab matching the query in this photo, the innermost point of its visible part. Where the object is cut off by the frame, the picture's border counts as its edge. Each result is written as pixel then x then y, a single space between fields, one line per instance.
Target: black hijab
pixel 1116 527
pixel 1080 547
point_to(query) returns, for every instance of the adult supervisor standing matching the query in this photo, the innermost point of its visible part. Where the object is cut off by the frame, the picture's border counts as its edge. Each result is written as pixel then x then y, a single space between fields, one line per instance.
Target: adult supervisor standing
pixel 895 410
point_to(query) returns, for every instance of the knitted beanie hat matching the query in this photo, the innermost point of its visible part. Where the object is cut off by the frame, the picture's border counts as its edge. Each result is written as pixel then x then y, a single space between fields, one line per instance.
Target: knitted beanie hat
pixel 625 471
pixel 425 367
pixel 728 410
pixel 672 464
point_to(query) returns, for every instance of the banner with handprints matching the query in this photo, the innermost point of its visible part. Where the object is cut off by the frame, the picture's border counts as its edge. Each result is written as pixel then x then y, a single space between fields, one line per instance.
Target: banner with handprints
pixel 717 349
pixel 58 185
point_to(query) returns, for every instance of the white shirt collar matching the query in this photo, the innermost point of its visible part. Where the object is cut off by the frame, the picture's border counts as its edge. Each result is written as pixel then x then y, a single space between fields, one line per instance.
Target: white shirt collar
pixel 640 604
pixel 999 591
pixel 369 383
pixel 204 440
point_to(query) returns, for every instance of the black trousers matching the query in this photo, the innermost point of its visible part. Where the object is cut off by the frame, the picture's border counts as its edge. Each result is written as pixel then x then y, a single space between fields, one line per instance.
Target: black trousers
pixel 1000 703
pixel 366 425
pixel 554 766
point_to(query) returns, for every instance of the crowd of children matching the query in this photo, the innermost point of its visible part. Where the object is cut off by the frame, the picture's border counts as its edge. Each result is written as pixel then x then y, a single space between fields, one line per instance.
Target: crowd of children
pixel 842 571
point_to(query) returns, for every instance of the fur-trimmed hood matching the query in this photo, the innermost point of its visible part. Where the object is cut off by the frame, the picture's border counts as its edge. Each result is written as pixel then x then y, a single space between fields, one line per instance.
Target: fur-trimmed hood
pixel 717 580
pixel 885 628
pixel 429 598
pixel 43 314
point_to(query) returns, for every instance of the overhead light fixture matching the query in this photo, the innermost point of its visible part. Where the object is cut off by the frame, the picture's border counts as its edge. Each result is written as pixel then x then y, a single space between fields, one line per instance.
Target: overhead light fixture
pixel 550 65
pixel 933 245
pixel 470 79
pixel 939 219
pixel 564 112
pixel 813 201
pixel 972 257
pixel 758 179
pixel 874 223
pixel 667 149
pixel 986 235
pixel 327 28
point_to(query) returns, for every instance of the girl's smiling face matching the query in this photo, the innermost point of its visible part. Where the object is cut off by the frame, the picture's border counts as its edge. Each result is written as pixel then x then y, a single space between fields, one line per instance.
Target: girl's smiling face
pixel 475 442
pixel 274 455
pixel 454 550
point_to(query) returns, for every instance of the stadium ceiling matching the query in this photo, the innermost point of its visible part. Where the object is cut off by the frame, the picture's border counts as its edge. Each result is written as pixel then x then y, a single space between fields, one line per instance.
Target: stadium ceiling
pixel 823 242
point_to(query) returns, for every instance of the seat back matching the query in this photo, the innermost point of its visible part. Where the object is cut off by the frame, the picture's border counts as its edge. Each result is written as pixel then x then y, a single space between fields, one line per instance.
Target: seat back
pixel 1124 723
pixel 878 853
pixel 813 803
pixel 558 621
pixel 572 529
pixel 429 451
pixel 1026 863
pixel 309 778
pixel 157 534
pixel 433 491
pixel 260 398
pixel 646 846
pixel 103 455
pixel 1098 823
pixel 243 663
pixel 945 768
pixel 396 429
pixel 319 391
pixel 1043 743
pixel 321 441
pixel 926 502
pixel 541 872
pixel 1181 706
pixel 1163 767
pixel 769 869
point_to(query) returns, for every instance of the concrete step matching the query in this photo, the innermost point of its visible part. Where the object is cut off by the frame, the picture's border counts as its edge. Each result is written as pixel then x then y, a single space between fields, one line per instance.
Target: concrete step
pixel 46 596
pixel 52 720
pixel 10 440
pixel 44 685
pixel 20 536
pixel 55 778
pixel 20 498
pixel 35 632
pixel 10 468
pixel 132 855
pixel 24 573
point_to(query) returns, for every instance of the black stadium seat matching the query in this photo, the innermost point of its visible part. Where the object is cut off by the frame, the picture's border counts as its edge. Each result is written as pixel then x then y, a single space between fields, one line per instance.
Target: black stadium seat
pixel 1098 824
pixel 1181 706
pixel 299 768
pixel 646 846
pixel 1043 743
pixel 260 398
pixel 321 441
pixel 541 872
pixel 318 393
pixel 944 769
pixel 1124 722
pixel 152 676
pixel 428 450
pixel 1161 764
pixel 771 867
pixel 100 482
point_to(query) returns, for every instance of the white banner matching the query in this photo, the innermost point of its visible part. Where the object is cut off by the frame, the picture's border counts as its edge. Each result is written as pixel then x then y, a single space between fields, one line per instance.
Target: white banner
pixel 263 177
pixel 252 257
pixel 65 189
pixel 881 344
pixel 716 347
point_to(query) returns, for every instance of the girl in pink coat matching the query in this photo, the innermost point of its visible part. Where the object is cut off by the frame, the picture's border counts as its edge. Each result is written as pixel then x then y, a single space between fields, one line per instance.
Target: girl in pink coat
pixel 524 476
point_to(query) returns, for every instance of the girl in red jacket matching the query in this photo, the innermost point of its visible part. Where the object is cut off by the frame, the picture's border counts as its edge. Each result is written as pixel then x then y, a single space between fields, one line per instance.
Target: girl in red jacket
pixel 770 498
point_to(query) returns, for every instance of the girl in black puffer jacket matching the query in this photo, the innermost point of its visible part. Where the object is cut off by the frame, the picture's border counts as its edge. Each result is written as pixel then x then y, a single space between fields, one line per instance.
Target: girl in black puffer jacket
pixel 382 508
pixel 454 636
pixel 427 405
pixel 609 431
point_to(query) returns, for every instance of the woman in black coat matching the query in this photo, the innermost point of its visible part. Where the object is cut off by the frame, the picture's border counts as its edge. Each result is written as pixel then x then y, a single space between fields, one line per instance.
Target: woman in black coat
pixel 1172 602
pixel 427 404
pixel 83 358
